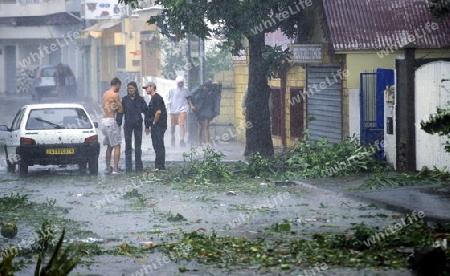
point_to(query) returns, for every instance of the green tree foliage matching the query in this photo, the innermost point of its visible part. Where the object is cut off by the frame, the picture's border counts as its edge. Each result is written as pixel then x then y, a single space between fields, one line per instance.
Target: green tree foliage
pixel 234 20
pixel 217 59
pixel 173 60
pixel 440 9
pixel 438 123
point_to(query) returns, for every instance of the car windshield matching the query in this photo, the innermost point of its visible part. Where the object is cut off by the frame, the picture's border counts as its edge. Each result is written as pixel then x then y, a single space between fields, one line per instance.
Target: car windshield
pixel 48 72
pixel 58 118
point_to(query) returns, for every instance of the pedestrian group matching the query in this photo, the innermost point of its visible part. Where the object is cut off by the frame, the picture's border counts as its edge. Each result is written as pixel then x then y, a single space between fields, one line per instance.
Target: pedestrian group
pixel 204 102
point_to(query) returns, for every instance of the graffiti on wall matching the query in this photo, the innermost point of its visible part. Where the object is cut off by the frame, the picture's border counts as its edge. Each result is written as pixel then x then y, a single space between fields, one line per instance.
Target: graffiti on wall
pixel 24 79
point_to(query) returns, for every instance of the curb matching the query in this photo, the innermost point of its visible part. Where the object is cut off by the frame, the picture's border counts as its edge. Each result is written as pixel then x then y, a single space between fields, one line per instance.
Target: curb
pixel 361 196
pixel 313 187
pixel 394 207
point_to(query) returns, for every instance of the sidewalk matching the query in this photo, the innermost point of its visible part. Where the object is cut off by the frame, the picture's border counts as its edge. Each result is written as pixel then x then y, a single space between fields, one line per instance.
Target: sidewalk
pixel 433 200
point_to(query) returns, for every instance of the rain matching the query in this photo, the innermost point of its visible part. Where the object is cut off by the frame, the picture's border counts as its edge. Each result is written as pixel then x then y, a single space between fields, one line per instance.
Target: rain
pixel 304 165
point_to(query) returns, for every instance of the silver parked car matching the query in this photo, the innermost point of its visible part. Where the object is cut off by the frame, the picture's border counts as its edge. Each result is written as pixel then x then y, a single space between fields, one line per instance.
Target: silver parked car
pixel 44 85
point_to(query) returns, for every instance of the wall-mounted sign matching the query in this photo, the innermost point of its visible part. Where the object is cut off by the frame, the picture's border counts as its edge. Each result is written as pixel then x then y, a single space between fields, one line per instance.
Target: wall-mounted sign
pixel 241 58
pixel 306 53
pixel 103 9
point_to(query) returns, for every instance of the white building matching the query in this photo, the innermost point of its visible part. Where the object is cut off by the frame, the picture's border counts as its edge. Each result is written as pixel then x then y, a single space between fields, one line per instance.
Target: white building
pixel 34 32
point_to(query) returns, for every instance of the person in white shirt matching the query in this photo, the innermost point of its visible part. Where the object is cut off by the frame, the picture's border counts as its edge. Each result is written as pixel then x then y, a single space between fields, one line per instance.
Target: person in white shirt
pixel 177 107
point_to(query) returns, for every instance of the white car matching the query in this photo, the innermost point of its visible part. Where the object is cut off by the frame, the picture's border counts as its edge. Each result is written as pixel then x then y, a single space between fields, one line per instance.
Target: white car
pixel 51 134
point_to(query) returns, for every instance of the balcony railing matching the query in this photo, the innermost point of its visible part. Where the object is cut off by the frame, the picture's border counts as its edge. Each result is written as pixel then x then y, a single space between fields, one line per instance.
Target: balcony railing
pixel 21 2
pixel 10 8
pixel 30 2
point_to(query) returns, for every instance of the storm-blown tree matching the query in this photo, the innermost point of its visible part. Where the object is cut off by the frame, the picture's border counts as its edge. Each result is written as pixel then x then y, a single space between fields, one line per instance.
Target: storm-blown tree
pixel 217 60
pixel 235 20
pixel 439 122
pixel 173 58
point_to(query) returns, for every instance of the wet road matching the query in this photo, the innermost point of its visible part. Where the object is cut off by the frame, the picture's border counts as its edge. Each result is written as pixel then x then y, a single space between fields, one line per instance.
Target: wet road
pixel 95 207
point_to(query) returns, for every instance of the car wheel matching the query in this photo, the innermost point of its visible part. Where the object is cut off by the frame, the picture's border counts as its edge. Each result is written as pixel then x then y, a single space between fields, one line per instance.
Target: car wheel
pixel 11 166
pixel 23 167
pixel 93 166
pixel 82 167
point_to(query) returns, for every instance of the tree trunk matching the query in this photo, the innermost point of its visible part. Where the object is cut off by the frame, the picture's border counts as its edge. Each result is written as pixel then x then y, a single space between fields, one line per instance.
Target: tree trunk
pixel 258 133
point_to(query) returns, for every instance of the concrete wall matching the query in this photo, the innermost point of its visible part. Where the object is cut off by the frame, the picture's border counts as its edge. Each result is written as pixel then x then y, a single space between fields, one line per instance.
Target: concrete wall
pixel 227 103
pixel 241 83
pixel 354 113
pixel 224 127
pixel 357 62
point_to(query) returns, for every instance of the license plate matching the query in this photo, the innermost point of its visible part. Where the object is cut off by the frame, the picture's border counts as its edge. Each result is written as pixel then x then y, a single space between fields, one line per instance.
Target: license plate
pixel 60 151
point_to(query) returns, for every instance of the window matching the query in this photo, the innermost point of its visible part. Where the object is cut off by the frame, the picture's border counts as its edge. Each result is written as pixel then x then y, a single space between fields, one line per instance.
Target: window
pixel 17 120
pixel 296 116
pixel 275 111
pixel 27 2
pixel 48 72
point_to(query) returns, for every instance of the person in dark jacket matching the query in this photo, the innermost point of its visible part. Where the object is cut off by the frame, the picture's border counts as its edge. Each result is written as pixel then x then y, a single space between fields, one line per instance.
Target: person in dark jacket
pixel 133 107
pixel 205 103
pixel 156 123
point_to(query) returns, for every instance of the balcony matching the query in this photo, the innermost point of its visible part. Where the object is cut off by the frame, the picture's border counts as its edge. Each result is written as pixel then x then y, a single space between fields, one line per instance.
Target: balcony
pixel 12 8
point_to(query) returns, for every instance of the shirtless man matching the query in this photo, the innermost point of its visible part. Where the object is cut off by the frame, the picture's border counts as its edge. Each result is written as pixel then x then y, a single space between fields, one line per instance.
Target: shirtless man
pixel 111 105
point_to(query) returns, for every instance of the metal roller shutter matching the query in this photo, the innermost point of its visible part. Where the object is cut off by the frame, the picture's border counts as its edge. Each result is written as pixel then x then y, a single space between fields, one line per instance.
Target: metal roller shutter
pixel 324 102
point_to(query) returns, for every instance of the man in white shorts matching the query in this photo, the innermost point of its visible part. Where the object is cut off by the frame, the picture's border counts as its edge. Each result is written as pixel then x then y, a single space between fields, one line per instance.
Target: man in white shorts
pixel 177 107
pixel 113 138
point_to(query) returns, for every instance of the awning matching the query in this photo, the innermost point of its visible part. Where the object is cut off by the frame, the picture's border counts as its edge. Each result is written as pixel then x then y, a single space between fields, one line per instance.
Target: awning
pixel 102 25
pixel 32 32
